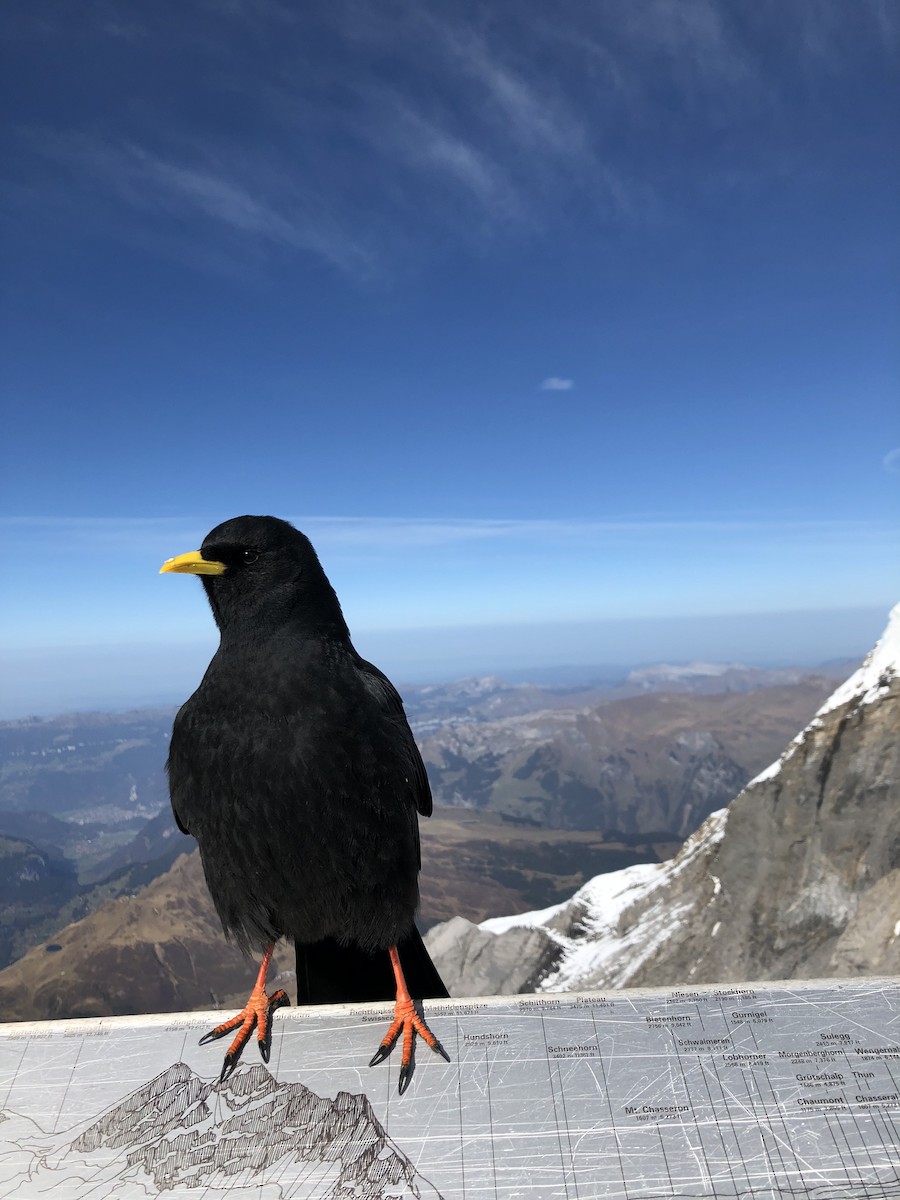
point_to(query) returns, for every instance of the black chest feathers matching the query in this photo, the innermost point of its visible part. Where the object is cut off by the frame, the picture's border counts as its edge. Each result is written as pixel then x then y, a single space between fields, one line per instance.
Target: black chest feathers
pixel 304 807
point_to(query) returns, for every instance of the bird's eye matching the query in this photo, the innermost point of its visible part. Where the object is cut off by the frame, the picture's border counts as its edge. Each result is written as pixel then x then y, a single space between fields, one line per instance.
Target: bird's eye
pixel 250 556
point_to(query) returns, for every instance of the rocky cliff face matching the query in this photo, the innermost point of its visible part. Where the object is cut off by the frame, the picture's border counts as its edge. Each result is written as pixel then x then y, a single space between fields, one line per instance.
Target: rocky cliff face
pixel 799 877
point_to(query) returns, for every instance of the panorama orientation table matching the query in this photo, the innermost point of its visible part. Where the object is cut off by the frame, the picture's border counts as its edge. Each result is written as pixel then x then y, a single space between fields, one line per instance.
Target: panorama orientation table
pixel 784 1090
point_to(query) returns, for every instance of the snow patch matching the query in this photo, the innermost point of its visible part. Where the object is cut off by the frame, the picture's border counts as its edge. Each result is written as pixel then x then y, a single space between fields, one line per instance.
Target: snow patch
pixel 530 920
pixel 873 678
pixel 673 673
pixel 769 773
pixel 866 685
pixel 602 903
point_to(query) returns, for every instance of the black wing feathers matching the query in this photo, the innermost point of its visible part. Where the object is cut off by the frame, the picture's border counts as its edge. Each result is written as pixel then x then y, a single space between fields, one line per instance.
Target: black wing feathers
pixel 389 698
pixel 178 778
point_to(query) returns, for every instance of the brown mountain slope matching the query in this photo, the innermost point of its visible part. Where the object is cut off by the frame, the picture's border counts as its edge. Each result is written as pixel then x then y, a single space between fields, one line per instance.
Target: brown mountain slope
pixel 160 951
pixel 648 763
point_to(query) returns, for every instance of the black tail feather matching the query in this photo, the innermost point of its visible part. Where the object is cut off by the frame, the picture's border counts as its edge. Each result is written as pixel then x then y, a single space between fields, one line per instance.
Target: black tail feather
pixel 328 973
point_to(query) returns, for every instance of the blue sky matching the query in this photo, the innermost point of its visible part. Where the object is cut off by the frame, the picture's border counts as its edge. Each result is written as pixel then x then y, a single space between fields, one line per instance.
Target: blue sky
pixel 536 318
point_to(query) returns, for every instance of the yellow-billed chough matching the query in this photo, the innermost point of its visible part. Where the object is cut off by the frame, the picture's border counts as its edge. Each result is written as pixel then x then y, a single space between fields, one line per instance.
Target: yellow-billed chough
pixel 294 767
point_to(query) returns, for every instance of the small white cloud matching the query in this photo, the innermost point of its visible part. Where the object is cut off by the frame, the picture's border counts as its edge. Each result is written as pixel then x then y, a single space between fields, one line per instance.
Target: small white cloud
pixel 128 31
pixel 891 461
pixel 555 384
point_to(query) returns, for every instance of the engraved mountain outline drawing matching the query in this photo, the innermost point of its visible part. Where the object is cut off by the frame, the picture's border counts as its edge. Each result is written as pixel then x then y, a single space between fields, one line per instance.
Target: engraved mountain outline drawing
pixel 179 1132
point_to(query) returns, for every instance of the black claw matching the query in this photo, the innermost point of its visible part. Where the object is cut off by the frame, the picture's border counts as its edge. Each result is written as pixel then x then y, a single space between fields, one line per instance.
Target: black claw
pixel 406 1073
pixel 439 1049
pixel 265 1044
pixel 380 1054
pixel 212 1036
pixel 229 1066
pixel 278 999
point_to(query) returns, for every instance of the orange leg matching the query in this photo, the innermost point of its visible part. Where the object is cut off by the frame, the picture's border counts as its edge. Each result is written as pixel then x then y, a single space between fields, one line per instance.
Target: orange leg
pixel 256 1014
pixel 408 1022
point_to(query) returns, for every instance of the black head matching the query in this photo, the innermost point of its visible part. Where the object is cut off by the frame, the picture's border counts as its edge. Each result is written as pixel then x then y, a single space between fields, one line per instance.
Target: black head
pixel 259 574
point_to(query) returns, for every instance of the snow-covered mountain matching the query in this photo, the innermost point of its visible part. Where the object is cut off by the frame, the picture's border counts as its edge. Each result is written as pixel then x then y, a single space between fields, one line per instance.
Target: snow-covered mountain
pixel 799 877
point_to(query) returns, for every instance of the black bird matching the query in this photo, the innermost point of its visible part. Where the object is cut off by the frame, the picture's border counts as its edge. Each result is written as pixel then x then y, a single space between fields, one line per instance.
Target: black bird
pixel 294 767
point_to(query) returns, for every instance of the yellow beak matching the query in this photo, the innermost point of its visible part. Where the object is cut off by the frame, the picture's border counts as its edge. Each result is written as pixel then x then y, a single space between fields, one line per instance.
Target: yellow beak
pixel 193 564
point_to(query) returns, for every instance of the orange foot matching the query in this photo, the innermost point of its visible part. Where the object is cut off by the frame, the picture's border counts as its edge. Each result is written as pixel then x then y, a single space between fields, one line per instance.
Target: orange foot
pixel 408 1022
pixel 256 1014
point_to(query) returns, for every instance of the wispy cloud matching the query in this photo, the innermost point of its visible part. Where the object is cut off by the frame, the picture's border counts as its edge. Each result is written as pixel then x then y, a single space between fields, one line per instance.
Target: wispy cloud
pixel 555 384
pixel 891 461
pixel 423 126
pixel 277 212
pixel 529 108
pixel 388 534
pixel 432 148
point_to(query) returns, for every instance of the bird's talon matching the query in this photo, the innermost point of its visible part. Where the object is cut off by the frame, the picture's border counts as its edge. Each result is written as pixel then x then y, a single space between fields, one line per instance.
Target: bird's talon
pixel 408 1022
pixel 256 1014
pixel 228 1067
pixel 221 1030
pixel 381 1053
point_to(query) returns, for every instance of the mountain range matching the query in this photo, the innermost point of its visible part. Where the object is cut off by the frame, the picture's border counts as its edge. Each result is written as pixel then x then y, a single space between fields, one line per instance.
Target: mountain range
pixel 529 806
pixel 657 762
pixel 798 877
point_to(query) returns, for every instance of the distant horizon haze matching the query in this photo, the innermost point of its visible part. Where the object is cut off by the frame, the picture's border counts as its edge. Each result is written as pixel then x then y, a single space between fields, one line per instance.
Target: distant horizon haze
pixel 48 681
